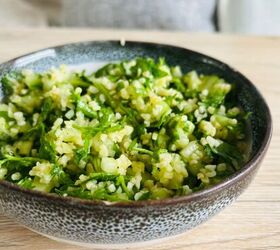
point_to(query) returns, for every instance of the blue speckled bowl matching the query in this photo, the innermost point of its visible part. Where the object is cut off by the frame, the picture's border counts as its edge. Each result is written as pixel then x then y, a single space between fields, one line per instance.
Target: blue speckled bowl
pixel 101 223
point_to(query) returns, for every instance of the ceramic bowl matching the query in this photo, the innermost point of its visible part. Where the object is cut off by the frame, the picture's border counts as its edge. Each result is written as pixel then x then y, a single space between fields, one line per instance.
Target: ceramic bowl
pixel 102 223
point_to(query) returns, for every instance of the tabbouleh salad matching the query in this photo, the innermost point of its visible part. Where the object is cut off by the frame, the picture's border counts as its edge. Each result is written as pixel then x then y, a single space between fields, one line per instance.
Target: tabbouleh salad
pixel 133 130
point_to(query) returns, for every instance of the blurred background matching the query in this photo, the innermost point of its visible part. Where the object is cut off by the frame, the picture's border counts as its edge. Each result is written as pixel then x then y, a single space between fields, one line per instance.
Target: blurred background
pixel 261 17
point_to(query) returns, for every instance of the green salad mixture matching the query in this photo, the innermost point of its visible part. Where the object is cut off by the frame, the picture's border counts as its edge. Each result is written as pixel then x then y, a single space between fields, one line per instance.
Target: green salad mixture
pixel 133 130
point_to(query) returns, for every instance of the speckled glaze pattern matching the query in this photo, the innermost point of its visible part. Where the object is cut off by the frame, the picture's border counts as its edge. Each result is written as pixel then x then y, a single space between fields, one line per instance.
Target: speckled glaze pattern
pixel 102 223
pixel 109 224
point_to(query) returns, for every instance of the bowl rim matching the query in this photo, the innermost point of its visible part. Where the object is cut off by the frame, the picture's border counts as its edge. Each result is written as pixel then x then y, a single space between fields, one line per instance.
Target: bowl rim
pixel 251 165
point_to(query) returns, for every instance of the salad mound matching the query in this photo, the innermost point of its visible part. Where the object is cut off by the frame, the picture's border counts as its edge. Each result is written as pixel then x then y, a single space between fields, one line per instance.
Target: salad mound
pixel 133 130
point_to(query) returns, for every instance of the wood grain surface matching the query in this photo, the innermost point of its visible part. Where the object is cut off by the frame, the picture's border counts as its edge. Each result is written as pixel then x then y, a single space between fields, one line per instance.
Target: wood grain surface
pixel 253 221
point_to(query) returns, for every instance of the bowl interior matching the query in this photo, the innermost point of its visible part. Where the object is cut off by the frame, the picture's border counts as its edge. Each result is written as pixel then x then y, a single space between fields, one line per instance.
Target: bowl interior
pixel 246 95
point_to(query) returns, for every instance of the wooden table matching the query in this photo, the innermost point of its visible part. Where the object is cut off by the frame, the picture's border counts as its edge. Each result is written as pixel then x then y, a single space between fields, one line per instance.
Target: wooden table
pixel 253 221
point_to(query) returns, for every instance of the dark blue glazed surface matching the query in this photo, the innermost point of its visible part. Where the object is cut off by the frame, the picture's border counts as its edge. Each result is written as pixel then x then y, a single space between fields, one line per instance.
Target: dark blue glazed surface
pixel 99 223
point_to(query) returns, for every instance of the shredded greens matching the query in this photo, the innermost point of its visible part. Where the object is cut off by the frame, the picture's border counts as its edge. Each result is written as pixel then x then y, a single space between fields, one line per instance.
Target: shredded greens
pixel 132 130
